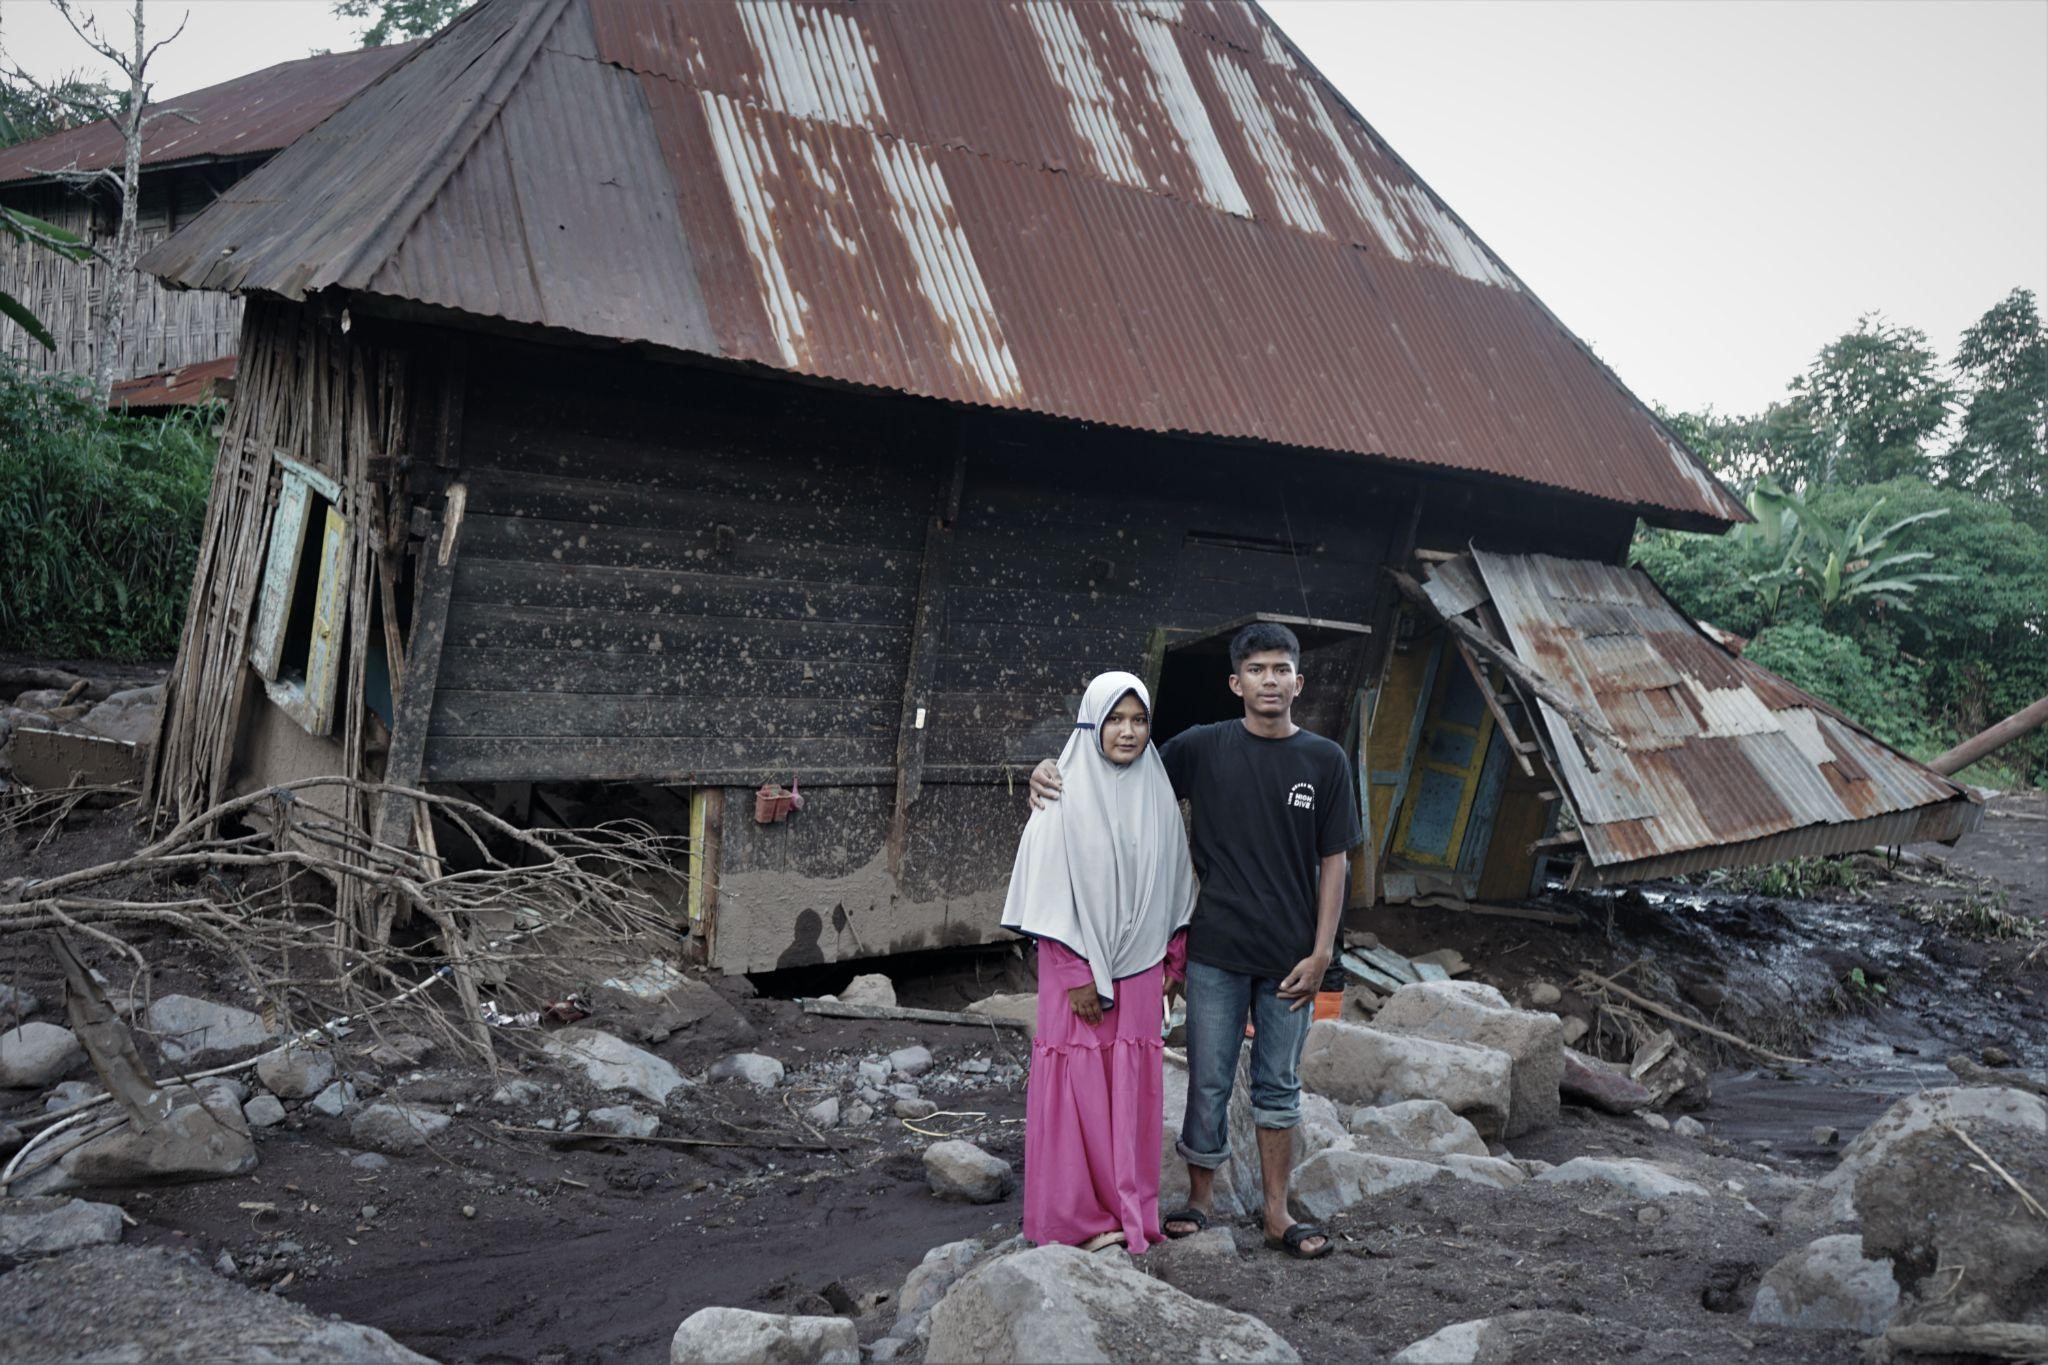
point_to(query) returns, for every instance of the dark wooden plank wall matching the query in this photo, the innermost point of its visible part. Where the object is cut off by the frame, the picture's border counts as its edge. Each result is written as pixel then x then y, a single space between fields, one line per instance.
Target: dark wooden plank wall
pixel 670 574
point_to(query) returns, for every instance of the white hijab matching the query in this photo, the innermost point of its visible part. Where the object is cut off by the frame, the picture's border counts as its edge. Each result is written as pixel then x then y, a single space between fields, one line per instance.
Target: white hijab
pixel 1104 870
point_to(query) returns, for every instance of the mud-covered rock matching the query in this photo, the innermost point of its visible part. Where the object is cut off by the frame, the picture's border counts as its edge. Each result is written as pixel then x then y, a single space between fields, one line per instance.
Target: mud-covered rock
pixel 624 1120
pixel 871 989
pixel 737 1336
pixel 1510 1338
pixel 1023 1009
pixel 1598 1085
pixel 264 1111
pixel 1965 1248
pixel 296 1073
pixel 1193 1258
pixel 149 1304
pixel 957 1169
pixel 1475 1013
pixel 756 1069
pixel 1360 1064
pixel 188 1029
pixel 928 1282
pixel 37 1054
pixel 612 1063
pixel 1061 1303
pixel 334 1101
pixel 1828 1285
pixel 47 1226
pixel 1972 1109
pixel 1642 1179
pixel 207 1139
pixel 1340 1177
pixel 1417 1126
pixel 1499 1172
pixel 396 1129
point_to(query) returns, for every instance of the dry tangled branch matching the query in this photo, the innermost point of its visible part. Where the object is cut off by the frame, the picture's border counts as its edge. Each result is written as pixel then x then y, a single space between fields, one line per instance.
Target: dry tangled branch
pixel 520 917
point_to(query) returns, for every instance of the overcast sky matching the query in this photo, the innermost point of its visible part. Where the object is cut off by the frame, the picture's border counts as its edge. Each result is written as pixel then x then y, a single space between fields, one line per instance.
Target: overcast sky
pixel 1705 190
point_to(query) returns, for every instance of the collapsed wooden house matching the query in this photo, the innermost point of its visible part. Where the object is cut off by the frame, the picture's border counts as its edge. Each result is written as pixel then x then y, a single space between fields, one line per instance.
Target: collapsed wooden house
pixel 177 345
pixel 655 401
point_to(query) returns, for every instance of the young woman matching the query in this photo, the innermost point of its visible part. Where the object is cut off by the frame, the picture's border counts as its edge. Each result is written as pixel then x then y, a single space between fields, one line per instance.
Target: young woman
pixel 1103 882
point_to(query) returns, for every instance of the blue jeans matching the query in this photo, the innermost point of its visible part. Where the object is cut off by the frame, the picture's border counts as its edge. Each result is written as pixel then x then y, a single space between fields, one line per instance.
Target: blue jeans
pixel 1218 1002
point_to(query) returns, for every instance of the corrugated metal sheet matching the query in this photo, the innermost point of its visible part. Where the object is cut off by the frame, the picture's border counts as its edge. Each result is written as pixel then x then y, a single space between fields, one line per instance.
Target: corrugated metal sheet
pixel 1153 215
pixel 249 115
pixel 186 385
pixel 1725 763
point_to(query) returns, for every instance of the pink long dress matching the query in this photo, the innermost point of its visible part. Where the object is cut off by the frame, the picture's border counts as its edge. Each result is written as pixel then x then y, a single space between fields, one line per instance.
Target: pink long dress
pixel 1093 1108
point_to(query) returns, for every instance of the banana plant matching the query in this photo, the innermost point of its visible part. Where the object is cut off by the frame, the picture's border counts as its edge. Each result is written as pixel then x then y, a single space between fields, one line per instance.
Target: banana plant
pixel 1839 567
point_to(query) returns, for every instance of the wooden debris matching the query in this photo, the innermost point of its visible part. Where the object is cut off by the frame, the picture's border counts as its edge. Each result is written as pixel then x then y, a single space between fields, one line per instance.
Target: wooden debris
pixel 1652 1053
pixel 1449 959
pixel 1466 907
pixel 1365 971
pixel 1392 963
pixel 1429 971
pixel 1967 1070
pixel 1992 1340
pixel 2027 1200
pixel 839 1009
pixel 593 1134
pixel 1593 981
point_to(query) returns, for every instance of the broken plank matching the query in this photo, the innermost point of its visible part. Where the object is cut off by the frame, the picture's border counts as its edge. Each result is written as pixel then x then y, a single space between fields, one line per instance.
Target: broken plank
pixel 1392 963
pixel 1366 972
pixel 1429 971
pixel 839 1009
pixel 588 1134
pixel 1503 911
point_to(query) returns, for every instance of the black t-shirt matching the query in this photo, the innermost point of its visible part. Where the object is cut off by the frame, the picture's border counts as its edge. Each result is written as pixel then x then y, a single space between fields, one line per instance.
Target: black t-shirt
pixel 1266 813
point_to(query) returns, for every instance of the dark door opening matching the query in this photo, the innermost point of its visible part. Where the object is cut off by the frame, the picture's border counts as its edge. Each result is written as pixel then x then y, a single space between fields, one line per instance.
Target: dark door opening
pixel 1192 686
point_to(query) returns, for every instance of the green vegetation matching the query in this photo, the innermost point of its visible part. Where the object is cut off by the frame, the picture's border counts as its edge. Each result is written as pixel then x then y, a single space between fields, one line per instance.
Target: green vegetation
pixel 1898 566
pixel 100 518
pixel 1798 879
pixel 398 21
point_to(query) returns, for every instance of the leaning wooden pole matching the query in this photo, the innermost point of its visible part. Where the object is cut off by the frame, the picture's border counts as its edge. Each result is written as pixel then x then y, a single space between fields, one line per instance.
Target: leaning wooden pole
pixel 1993 739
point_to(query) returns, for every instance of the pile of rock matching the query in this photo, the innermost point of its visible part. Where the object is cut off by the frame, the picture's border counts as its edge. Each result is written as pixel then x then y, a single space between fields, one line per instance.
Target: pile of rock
pixel 84 724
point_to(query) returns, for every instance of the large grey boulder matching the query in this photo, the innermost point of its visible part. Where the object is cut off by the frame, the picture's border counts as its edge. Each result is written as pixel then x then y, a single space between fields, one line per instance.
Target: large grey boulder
pixel 957 1169
pixel 1193 1260
pixel 1473 1012
pixel 296 1073
pixel 44 1227
pixel 1499 1172
pixel 37 1054
pixel 928 1282
pixel 1966 1247
pixel 1828 1285
pixel 1357 1064
pixel 1061 1303
pixel 1339 1177
pixel 188 1029
pixel 1971 1109
pixel 149 1304
pixel 203 1140
pixel 611 1063
pixel 396 1129
pixel 1321 1127
pixel 736 1336
pixel 1416 1125
pixel 1631 1176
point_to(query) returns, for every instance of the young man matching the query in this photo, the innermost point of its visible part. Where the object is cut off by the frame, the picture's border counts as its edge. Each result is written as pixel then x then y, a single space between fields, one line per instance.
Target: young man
pixel 1274 817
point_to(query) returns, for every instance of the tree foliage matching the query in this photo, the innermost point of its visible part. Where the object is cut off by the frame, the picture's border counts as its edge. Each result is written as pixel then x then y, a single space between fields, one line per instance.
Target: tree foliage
pixel 29 110
pixel 1898 566
pixel 397 21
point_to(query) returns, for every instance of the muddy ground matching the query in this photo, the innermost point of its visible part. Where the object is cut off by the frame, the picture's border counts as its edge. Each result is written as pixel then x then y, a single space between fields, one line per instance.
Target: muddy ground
pixel 503 1247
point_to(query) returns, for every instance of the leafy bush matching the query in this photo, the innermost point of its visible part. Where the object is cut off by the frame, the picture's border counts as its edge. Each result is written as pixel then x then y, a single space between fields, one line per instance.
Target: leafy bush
pixel 1885 694
pixel 100 518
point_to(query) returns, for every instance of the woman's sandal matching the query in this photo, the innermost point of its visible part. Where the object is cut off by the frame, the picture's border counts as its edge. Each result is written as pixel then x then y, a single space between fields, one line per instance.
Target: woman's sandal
pixel 1113 1238
pixel 1290 1241
pixel 1190 1214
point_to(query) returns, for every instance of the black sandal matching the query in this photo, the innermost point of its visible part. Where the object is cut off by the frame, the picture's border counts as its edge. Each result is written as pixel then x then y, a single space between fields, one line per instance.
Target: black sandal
pixel 1290 1241
pixel 1190 1214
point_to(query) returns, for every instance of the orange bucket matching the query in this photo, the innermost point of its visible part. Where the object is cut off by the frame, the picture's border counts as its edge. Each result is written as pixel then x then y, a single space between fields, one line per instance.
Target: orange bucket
pixel 1329 1004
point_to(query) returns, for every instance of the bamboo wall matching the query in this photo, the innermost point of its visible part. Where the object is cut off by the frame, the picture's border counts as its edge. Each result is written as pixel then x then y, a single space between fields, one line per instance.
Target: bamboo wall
pixel 166 328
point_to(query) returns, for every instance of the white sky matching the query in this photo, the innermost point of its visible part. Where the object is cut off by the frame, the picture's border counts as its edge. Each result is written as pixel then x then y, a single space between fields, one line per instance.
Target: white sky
pixel 1705 190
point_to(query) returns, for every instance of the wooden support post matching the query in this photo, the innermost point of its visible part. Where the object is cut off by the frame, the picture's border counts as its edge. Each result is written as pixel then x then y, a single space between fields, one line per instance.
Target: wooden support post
pixel 1991 740
pixel 1521 748
pixel 927 624
pixel 707 829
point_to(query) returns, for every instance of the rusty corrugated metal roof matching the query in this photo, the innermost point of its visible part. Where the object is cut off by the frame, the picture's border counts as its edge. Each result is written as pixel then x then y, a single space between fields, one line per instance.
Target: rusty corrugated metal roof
pixel 247 116
pixel 1725 762
pixel 182 387
pixel 1153 215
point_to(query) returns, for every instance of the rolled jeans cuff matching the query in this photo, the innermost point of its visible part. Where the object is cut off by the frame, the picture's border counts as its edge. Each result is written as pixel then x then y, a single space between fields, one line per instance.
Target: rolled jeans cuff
pixel 1208 1161
pixel 1276 1118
